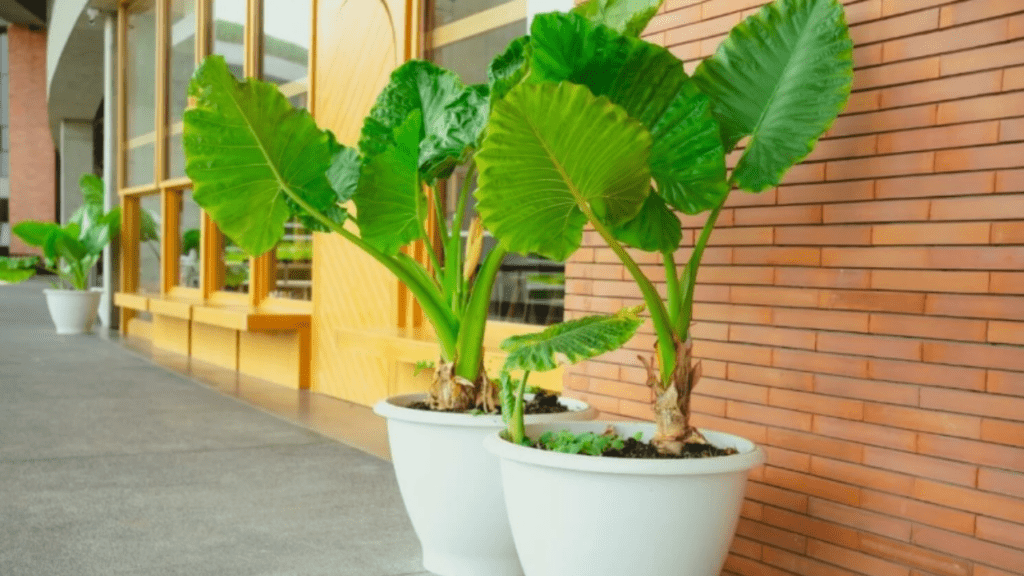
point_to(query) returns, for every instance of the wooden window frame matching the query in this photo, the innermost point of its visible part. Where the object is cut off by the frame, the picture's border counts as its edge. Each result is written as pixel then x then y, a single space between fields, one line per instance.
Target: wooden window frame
pixel 209 293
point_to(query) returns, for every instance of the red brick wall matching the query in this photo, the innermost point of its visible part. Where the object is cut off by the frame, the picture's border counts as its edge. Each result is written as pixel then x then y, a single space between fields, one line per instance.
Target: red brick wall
pixel 33 181
pixel 865 321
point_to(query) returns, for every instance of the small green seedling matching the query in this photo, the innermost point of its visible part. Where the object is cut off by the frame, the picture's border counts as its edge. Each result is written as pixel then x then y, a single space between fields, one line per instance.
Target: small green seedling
pixel 565 343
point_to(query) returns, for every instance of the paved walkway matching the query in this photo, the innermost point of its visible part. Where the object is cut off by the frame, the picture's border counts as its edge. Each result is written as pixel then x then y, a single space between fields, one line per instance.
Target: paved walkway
pixel 111 465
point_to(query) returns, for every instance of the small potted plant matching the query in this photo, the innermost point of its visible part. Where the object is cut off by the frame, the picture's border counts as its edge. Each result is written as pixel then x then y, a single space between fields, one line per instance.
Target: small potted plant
pixel 589 116
pixel 70 252
pixel 256 162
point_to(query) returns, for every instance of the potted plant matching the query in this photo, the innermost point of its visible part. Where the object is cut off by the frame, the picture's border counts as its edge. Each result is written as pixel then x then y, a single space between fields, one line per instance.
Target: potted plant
pixel 589 116
pixel 256 162
pixel 70 252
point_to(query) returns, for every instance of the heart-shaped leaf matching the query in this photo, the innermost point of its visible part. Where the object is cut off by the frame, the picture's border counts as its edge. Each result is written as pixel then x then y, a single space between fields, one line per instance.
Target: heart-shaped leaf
pixel 552 150
pixel 781 77
pixel 648 81
pixel 247 149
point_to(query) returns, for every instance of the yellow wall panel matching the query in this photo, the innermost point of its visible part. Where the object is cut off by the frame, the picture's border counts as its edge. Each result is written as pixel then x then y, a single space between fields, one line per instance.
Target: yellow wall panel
pixel 171 334
pixel 215 345
pixel 275 356
pixel 350 291
pixel 139 328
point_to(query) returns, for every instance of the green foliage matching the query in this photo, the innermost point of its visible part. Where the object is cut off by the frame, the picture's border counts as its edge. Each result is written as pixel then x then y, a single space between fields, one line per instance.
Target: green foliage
pixel 452 117
pixel 781 77
pixel 687 159
pixel 256 162
pixel 585 443
pixel 655 229
pixel 423 365
pixel 70 251
pixel 552 151
pixel 510 67
pixel 390 202
pixel 254 159
pixel 190 240
pixel 571 341
pixel 14 270
pixel 628 17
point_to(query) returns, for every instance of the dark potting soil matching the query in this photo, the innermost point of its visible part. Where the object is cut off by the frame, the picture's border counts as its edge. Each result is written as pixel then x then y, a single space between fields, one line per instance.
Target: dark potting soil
pixel 543 402
pixel 633 448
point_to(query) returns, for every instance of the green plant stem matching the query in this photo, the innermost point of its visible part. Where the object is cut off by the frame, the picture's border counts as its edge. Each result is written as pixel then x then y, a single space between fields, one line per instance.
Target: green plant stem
pixel 470 346
pixel 675 299
pixel 516 425
pixel 429 297
pixel 689 280
pixel 453 277
pixel 659 315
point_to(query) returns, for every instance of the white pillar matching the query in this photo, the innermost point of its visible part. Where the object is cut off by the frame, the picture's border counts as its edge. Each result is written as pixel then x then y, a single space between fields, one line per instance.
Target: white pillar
pixel 111 260
pixel 534 7
pixel 75 160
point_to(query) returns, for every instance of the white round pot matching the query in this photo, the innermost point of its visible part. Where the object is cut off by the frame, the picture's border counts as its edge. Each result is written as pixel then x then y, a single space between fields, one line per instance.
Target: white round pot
pixel 578 515
pixel 72 311
pixel 451 486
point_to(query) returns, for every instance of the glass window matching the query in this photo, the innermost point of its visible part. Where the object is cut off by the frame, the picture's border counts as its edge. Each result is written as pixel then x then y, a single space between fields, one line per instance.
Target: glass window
pixel 528 289
pixel 149 244
pixel 189 245
pixel 181 64
pixel 233 276
pixel 140 97
pixel 229 33
pixel 287 35
pixel 471 56
pixel 445 11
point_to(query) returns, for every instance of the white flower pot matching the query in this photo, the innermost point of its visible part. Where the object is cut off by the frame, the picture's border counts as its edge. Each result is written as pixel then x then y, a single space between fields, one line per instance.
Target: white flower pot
pixel 578 515
pixel 72 311
pixel 451 486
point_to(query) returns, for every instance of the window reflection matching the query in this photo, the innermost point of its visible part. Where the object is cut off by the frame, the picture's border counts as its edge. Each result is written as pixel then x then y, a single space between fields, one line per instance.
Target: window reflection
pixel 140 95
pixel 149 244
pixel 181 64
pixel 189 245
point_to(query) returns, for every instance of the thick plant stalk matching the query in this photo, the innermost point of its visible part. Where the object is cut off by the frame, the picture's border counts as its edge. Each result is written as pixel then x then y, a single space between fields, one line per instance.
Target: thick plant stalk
pixel 672 404
pixel 453 393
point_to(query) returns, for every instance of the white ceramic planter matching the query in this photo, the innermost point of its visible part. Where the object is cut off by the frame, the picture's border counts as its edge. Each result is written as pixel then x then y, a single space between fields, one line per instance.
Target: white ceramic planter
pixel 574 515
pixel 451 486
pixel 72 311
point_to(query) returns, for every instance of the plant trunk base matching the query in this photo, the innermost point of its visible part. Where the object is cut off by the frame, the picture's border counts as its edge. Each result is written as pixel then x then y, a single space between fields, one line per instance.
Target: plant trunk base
pixel 672 403
pixel 452 393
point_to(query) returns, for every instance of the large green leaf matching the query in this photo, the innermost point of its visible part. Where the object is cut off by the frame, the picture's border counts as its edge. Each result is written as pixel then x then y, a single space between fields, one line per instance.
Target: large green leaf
pixel 687 158
pixel 628 17
pixel 655 229
pixel 570 342
pixel 550 150
pixel 14 270
pixel 452 116
pixel 34 233
pixel 92 200
pixel 781 77
pixel 390 203
pixel 344 173
pixel 247 149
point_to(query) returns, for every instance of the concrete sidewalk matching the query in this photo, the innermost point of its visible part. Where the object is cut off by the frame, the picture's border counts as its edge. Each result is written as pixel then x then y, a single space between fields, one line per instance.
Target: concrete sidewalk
pixel 110 465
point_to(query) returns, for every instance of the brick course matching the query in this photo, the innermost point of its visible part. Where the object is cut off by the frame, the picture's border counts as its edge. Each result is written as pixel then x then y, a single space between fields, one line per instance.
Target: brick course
pixel 864 321
pixel 33 179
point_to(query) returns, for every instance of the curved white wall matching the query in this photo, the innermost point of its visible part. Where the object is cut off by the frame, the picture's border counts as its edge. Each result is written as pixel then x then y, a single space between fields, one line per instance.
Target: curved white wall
pixel 63 18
